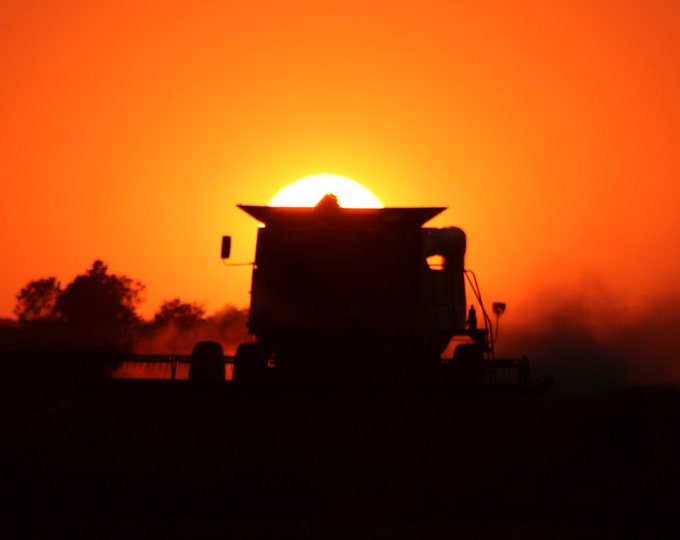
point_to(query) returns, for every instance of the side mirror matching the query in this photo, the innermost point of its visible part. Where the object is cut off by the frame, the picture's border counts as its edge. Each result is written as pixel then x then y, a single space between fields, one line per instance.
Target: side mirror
pixel 226 247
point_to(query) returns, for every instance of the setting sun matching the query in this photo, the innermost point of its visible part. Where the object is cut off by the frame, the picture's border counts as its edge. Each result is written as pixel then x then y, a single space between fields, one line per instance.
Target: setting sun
pixel 309 191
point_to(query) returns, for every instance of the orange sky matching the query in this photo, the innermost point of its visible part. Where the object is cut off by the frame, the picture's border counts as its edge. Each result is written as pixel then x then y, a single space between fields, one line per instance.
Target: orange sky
pixel 130 130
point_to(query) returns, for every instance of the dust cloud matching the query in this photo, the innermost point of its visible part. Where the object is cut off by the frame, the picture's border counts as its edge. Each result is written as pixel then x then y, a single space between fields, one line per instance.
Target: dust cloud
pixel 587 337
pixel 227 326
pixel 591 338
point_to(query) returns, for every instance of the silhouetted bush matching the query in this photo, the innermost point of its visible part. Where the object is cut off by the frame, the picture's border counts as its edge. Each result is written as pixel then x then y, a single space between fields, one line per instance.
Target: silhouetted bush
pixel 37 300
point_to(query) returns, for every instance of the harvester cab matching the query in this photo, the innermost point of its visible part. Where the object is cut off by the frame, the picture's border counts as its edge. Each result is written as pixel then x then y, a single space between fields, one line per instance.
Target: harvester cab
pixel 347 295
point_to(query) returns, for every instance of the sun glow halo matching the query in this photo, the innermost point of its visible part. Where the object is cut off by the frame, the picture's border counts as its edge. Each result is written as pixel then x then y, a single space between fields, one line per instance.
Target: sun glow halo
pixel 308 191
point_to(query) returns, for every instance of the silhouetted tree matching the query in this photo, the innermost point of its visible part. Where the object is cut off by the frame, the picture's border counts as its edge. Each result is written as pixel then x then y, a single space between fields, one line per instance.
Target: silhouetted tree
pixel 183 314
pixel 99 309
pixel 37 300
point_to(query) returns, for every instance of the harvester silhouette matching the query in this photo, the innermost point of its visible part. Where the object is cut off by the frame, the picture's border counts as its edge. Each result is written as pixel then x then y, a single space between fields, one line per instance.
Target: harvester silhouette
pixel 345 295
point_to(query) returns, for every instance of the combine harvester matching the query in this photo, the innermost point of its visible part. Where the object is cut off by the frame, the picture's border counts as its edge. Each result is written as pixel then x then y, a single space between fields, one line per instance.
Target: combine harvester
pixel 347 296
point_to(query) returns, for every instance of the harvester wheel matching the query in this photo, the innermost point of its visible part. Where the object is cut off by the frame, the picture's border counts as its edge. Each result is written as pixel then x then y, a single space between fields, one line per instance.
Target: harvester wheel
pixel 468 364
pixel 207 362
pixel 250 363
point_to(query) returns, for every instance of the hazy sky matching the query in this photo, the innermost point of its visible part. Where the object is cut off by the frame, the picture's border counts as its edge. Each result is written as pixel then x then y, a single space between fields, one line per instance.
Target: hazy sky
pixel 551 130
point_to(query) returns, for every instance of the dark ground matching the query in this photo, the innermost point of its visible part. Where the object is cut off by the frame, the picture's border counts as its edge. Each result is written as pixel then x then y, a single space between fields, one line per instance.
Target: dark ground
pixel 180 459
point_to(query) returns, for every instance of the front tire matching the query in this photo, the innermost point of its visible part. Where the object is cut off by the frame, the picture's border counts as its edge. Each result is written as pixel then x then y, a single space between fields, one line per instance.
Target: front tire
pixel 207 362
pixel 250 363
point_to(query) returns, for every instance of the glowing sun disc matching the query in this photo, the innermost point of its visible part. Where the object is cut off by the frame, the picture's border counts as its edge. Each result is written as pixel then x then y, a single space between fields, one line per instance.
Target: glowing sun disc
pixel 308 191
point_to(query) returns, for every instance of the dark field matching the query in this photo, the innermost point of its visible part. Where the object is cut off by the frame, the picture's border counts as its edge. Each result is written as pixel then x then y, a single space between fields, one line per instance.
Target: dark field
pixel 131 458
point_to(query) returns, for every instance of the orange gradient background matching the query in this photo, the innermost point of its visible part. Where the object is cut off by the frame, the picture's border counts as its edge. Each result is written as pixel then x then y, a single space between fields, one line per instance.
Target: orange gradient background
pixel 130 130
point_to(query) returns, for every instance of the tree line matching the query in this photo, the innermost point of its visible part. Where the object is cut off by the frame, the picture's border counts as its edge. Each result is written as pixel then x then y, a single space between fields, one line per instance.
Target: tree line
pixel 97 312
